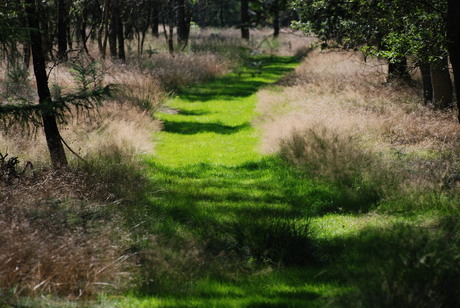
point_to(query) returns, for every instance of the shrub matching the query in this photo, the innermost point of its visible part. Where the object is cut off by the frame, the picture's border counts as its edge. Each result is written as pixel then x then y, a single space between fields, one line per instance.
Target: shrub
pixel 54 241
pixel 419 270
pixel 358 176
pixel 274 240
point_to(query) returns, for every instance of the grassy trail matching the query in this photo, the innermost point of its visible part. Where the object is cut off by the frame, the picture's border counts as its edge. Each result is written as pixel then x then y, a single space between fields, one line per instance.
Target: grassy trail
pixel 212 177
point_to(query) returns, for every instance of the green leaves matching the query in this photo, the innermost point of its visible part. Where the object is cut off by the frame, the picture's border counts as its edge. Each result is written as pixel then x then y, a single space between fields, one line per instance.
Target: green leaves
pixel 384 28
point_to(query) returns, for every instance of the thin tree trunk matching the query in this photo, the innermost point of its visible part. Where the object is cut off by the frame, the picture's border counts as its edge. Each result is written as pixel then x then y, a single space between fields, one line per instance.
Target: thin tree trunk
pixel 397 70
pixel 103 30
pixel 82 33
pixel 442 84
pixel 69 38
pixel 276 19
pixel 155 19
pixel 53 138
pixel 181 23
pixel 202 13
pixel 221 15
pixel 120 33
pixel 47 45
pixel 453 44
pixel 113 32
pixel 171 26
pixel 62 30
pixel 426 80
pixel 143 31
pixel 245 19
pixel 26 55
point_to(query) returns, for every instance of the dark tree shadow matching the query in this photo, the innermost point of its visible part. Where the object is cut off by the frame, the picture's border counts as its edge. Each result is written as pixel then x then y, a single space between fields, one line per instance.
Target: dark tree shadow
pixel 191 128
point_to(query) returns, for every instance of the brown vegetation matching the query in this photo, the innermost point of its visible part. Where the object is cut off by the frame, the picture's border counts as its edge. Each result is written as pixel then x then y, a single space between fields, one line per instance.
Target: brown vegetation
pixel 337 98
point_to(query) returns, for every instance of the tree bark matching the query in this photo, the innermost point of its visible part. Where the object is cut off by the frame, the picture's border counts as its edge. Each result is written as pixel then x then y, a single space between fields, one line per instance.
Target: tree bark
pixel 103 30
pixel 46 40
pixel 221 15
pixel 181 22
pixel 62 30
pixel 426 80
pixel 26 53
pixel 113 32
pixel 397 70
pixel 53 138
pixel 245 20
pixel 442 84
pixel 276 19
pixel 120 32
pixel 171 26
pixel 156 19
pixel 453 44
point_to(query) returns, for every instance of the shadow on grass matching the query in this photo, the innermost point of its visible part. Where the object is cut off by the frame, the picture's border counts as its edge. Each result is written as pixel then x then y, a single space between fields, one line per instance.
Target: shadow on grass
pixel 234 87
pixel 193 112
pixel 399 265
pixel 191 128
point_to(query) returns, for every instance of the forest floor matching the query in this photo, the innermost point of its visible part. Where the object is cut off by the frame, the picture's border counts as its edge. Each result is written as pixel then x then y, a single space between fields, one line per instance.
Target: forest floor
pixel 212 174
pixel 215 184
pixel 210 221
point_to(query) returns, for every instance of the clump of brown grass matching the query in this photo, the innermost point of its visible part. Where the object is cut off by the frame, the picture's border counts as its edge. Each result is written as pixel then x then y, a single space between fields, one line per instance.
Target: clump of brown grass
pixel 54 241
pixel 350 98
pixel 61 231
pixel 137 88
pixel 183 69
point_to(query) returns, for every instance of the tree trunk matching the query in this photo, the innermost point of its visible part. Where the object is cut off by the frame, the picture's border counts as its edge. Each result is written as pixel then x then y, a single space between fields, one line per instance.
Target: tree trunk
pixel 83 37
pixel 221 15
pixel 113 32
pixel 120 32
pixel 442 84
pixel 156 19
pixel 69 38
pixel 171 26
pixel 181 22
pixel 47 44
pixel 453 44
pixel 245 20
pixel 103 30
pixel 202 13
pixel 397 70
pixel 26 55
pixel 53 138
pixel 276 19
pixel 82 30
pixel 426 80
pixel 62 30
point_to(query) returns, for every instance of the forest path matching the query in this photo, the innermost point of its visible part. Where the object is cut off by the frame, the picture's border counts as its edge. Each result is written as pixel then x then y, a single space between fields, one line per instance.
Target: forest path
pixel 214 181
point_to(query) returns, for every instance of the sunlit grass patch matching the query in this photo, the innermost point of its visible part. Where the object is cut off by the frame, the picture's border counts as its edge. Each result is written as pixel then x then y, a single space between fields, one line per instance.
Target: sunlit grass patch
pixel 295 287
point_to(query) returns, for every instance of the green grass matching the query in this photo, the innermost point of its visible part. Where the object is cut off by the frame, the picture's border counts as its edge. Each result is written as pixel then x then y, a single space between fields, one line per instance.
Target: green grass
pixel 233 228
pixel 217 188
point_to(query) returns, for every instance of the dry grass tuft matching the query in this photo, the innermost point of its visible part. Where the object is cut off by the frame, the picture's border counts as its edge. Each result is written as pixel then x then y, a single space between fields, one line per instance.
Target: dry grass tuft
pixel 54 241
pixel 61 231
pixel 183 69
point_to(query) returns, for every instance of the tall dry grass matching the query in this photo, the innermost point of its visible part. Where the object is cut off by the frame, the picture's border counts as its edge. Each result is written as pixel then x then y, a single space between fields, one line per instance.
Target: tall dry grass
pixel 61 231
pixel 333 97
pixel 183 69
